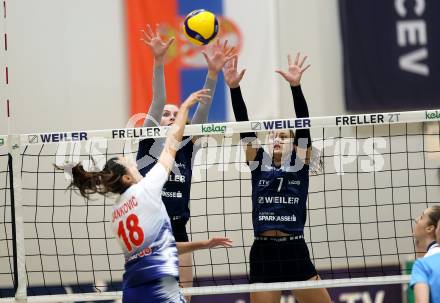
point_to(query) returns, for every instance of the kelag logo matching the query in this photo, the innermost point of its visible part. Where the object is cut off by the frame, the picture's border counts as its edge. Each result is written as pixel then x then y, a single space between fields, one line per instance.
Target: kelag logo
pixel 213 129
pixel 2 141
pixel 432 114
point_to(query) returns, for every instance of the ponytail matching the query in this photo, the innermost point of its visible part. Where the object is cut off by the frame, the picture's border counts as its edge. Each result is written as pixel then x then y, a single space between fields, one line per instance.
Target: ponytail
pixel 109 180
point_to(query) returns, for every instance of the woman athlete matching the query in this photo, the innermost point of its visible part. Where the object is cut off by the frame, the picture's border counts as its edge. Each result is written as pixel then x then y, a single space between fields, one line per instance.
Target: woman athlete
pixel 176 191
pixel 140 221
pixel 280 181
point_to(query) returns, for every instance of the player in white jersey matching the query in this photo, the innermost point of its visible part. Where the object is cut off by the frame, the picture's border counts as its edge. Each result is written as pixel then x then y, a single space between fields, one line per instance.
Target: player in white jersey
pixel 424 232
pixel 140 220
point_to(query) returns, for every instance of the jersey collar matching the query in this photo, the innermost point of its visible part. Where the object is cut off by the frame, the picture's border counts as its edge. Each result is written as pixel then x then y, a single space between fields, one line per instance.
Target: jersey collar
pixel 432 245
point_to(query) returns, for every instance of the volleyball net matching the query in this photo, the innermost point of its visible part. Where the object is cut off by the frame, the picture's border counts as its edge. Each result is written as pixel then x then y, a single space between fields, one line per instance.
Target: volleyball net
pixel 371 175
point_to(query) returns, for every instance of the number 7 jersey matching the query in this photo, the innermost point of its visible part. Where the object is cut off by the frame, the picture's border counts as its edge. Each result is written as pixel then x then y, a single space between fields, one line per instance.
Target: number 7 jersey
pixel 142 227
pixel 279 194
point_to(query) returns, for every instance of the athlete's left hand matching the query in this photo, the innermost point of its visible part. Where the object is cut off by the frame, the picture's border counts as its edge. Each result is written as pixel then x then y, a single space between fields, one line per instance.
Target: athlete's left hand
pixel 295 71
pixel 219 55
pixel 217 241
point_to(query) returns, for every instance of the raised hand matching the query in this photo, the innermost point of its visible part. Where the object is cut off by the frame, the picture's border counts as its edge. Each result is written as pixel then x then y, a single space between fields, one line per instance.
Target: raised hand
pixel 198 96
pixel 217 241
pixel 295 70
pixel 232 76
pixel 219 55
pixel 158 46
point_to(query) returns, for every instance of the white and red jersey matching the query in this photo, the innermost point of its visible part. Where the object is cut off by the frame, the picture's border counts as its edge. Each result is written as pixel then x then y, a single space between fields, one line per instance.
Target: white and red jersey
pixel 143 230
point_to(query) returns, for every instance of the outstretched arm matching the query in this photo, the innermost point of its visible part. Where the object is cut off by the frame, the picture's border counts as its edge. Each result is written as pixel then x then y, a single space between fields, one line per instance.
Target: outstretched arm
pixel 219 55
pixel 159 49
pixel 233 78
pixel 174 137
pixel 293 76
pixel 186 247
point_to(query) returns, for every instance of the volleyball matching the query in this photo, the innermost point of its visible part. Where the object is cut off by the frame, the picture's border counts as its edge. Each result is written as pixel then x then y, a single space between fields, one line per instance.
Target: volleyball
pixel 200 27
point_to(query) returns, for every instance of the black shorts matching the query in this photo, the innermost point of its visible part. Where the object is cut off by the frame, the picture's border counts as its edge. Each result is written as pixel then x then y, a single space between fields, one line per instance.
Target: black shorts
pixel 179 230
pixel 280 259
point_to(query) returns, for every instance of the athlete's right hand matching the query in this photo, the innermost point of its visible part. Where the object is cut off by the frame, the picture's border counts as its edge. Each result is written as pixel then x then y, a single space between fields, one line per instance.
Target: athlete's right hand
pixel 198 96
pixel 232 76
pixel 217 241
pixel 158 46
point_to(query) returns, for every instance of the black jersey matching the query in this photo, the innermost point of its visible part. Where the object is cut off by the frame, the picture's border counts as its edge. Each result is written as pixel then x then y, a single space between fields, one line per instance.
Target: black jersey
pixel 279 194
pixel 176 191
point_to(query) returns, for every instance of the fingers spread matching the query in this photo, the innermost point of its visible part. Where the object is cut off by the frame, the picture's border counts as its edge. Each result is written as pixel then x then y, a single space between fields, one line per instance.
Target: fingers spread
pixel 297 58
pixel 235 61
pixel 169 42
pixel 229 51
pixel 305 68
pixel 145 36
pixel 230 58
pixel 205 55
pixel 282 73
pixel 242 74
pixel 225 45
pixel 302 61
pixel 150 31
pixel 146 41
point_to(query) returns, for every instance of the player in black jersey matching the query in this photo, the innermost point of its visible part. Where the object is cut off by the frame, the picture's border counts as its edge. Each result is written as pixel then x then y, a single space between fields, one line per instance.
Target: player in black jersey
pixel 176 191
pixel 280 181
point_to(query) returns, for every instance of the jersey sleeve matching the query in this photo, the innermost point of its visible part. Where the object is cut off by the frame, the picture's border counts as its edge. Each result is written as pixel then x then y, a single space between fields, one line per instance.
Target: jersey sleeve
pixel 419 274
pixel 154 180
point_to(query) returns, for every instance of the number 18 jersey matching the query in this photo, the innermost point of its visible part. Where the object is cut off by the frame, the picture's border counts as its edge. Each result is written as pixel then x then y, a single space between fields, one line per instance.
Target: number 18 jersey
pixel 143 230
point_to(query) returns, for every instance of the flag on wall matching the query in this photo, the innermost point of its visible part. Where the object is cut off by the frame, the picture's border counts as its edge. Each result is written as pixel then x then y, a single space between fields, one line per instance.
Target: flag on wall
pixel 391 54
pixel 185 69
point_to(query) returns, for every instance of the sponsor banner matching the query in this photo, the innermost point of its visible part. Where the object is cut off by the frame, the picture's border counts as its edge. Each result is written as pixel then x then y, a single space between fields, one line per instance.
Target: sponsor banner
pixel 150 132
pixel 57 137
pixel 360 120
pixel 236 127
pixel 391 54
pixel 432 115
pixel 285 124
pixel 376 119
pixel 2 141
pixel 213 129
